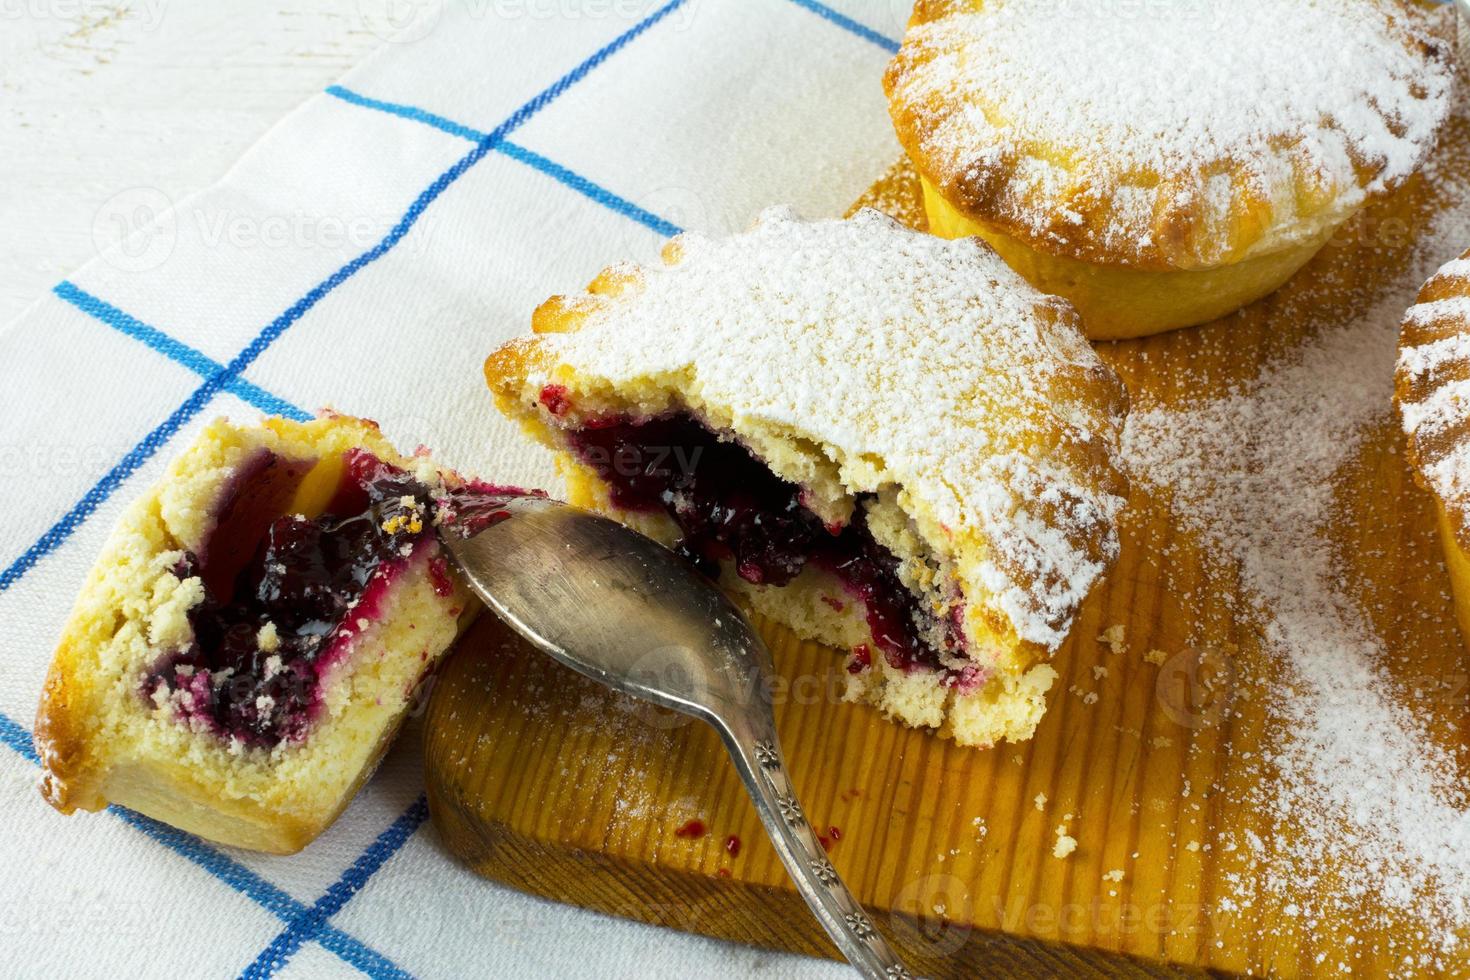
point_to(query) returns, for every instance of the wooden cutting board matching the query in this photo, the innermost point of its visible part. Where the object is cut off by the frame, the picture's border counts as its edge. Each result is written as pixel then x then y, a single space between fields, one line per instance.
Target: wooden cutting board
pixel 540 780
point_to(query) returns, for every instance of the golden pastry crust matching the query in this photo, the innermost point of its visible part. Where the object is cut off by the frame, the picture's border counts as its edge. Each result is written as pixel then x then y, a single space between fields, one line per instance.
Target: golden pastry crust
pixel 101 742
pixel 1432 391
pixel 861 360
pixel 1110 190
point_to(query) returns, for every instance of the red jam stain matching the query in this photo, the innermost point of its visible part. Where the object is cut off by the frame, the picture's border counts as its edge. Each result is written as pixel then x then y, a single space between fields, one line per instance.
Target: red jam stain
pixel 723 873
pixel 439 577
pixel 825 841
pixel 837 604
pixel 862 659
pixel 835 833
pixel 691 829
pixel 731 506
pixel 318 581
pixel 732 846
pixel 554 397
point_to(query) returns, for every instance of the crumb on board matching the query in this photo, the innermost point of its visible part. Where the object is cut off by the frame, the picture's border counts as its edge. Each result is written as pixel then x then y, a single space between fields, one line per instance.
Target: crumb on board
pixel 1040 801
pixel 1065 844
pixel 1156 657
pixel 1113 636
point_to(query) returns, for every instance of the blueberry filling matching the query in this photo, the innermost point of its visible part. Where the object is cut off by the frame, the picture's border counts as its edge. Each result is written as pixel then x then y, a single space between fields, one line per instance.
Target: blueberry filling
pixel 730 506
pixel 284 591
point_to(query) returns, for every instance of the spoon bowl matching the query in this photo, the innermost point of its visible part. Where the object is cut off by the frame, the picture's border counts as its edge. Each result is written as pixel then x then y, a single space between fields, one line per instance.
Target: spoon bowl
pixel 618 607
pixel 629 613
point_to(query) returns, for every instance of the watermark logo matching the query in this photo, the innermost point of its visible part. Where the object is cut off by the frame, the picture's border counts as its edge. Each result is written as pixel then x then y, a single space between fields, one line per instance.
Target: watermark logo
pixel 148 14
pixel 940 925
pixel 677 464
pixel 673 204
pixel 1197 687
pixel 671 668
pixel 400 21
pixel 136 229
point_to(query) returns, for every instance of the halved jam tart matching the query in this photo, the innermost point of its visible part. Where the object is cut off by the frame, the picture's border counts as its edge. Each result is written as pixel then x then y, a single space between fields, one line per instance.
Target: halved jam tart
pixel 886 441
pixel 255 631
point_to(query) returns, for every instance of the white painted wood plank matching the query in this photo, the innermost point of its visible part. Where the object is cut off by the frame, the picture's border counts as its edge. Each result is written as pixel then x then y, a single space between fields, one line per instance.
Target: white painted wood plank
pixel 99 98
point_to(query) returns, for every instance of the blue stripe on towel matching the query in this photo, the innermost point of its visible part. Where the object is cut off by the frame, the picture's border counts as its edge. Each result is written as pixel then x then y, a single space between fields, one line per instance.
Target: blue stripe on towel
pixel 306 926
pixel 551 168
pixel 176 350
pixel 303 924
pixel 165 430
pixel 229 871
pixel 848 24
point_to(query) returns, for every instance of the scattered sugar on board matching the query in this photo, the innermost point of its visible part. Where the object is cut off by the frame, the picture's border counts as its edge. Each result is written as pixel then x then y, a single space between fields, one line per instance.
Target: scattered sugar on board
pixel 1365 804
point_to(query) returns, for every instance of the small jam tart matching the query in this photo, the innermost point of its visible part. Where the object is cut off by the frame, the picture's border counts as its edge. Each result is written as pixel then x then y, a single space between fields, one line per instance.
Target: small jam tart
pixel 1163 164
pixel 1433 395
pixel 255 630
pixel 887 441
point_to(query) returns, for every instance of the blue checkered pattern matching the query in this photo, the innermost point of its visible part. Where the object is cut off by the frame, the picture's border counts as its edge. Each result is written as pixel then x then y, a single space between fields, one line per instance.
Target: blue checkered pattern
pixel 303 924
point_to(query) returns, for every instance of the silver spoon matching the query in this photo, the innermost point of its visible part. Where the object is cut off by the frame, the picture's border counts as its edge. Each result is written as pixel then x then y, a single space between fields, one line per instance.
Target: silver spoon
pixel 618 607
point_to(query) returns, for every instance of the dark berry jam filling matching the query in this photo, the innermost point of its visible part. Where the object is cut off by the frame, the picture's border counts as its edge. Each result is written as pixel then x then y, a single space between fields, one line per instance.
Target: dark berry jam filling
pixel 285 592
pixel 730 506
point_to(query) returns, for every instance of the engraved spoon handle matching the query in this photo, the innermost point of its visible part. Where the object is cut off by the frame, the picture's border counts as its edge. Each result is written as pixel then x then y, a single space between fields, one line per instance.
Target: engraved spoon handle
pixel 753 746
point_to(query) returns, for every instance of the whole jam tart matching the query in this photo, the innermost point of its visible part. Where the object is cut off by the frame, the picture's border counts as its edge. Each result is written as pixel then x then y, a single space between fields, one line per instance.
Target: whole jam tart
pixel 1164 164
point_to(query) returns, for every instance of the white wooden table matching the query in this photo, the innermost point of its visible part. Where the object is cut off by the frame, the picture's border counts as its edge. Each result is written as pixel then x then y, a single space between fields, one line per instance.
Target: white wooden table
pixel 99 98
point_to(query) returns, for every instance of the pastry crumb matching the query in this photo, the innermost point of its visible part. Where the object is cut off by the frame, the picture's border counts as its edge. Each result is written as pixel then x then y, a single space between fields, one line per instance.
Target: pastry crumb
pixel 1065 844
pixel 1040 801
pixel 1156 657
pixel 1114 637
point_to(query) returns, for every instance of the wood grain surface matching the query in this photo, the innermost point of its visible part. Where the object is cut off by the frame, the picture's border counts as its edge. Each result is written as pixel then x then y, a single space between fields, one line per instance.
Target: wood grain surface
pixel 1147 756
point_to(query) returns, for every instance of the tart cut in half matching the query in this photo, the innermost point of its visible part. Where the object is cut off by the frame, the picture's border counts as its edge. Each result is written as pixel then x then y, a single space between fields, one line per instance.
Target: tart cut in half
pixel 255 631
pixel 1433 395
pixel 886 441
pixel 1163 164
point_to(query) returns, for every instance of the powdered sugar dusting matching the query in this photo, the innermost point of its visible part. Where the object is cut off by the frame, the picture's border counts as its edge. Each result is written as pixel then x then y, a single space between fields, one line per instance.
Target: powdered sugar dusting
pixel 1434 390
pixel 1139 113
pixel 911 362
pixel 1367 806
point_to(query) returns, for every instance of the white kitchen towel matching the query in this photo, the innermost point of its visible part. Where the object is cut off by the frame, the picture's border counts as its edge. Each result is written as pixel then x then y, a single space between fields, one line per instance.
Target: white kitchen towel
pixel 367 255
